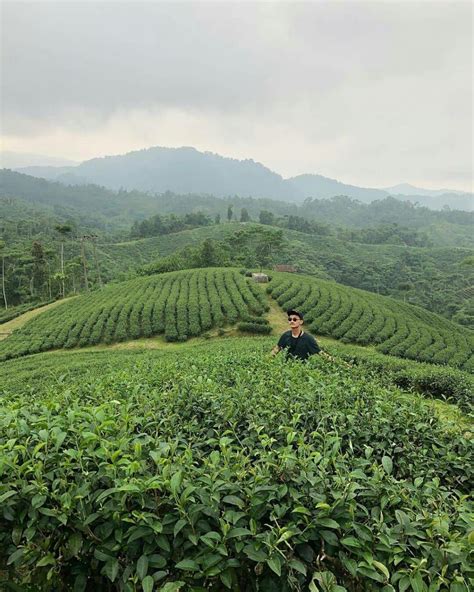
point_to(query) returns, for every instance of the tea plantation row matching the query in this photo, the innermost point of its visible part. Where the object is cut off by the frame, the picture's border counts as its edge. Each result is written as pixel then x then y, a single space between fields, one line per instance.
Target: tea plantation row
pixel 180 305
pixel 219 468
pixel 361 317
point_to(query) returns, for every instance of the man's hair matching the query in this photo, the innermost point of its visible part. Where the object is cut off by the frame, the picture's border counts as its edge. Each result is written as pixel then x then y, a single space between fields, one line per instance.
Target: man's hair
pixel 295 312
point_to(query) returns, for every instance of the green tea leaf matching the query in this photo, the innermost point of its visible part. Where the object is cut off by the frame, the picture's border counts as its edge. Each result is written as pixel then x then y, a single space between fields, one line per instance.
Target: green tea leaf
pixel 179 526
pixel 6 495
pixel 188 565
pixel 387 464
pixel 350 542
pixel 147 584
pixel 111 569
pixel 80 583
pixel 175 482
pixel 382 568
pixel 233 500
pixel 47 560
pixel 15 555
pixel 172 586
pixel 237 532
pixel 298 566
pixel 327 522
pixel 416 582
pixel 274 564
pixel 142 567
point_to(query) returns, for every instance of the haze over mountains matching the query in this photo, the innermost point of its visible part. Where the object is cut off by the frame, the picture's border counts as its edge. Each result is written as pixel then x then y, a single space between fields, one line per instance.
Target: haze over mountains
pixel 187 170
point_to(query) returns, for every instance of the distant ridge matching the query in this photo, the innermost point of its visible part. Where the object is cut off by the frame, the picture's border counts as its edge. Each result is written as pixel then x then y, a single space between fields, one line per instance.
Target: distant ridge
pixel 407 189
pixel 14 160
pixel 187 170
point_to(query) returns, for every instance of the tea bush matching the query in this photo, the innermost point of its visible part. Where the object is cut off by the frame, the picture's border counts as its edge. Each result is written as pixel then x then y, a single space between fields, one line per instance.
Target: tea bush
pixel 254 328
pixel 13 312
pixel 218 467
pixel 448 384
pixel 356 316
pixel 179 304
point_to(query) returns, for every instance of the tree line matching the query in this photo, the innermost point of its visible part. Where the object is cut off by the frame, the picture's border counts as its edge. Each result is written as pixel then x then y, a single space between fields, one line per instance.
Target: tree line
pixel 44 271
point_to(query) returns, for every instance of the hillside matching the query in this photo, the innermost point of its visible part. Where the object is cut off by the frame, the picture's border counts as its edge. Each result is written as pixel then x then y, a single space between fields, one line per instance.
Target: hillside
pixel 184 304
pixel 389 246
pixel 186 170
pixel 181 170
pixel 119 209
pixel 180 305
pixel 434 277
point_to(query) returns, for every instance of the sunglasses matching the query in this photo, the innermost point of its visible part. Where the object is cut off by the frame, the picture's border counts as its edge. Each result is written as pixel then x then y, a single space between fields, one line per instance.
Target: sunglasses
pixel 290 319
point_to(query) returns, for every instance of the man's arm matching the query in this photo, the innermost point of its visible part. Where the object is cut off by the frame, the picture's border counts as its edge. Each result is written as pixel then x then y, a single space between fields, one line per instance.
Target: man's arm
pixel 279 346
pixel 275 350
pixel 313 346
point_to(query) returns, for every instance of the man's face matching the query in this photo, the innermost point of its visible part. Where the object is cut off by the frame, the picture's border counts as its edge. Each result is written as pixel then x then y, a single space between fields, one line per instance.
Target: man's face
pixel 294 321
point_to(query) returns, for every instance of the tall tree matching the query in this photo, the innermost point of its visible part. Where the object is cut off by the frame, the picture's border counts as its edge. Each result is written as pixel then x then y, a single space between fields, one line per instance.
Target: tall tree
pixel 64 230
pixel 266 217
pixel 84 262
pixel 209 255
pixel 230 213
pixel 93 238
pixel 38 268
pixel 4 291
pixel 244 215
pixel 269 242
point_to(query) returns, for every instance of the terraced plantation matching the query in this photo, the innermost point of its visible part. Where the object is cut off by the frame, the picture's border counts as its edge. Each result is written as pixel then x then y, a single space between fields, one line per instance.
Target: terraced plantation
pixel 361 317
pixel 179 305
pixel 184 304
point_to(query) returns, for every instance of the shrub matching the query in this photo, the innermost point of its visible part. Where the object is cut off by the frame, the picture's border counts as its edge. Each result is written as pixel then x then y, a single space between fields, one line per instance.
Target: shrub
pixel 254 328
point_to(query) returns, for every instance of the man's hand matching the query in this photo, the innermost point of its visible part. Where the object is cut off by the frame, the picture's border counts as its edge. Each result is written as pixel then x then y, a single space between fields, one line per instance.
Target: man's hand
pixel 332 359
pixel 275 350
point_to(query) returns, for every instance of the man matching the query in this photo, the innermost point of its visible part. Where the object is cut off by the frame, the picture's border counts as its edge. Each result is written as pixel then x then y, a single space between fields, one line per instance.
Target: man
pixel 297 343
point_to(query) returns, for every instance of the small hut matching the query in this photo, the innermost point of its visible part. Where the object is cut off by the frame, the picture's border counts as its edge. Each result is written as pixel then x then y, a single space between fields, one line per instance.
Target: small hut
pixel 261 278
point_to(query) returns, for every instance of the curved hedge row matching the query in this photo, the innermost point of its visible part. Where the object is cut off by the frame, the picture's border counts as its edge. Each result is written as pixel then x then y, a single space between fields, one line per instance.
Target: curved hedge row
pixel 356 316
pixel 179 304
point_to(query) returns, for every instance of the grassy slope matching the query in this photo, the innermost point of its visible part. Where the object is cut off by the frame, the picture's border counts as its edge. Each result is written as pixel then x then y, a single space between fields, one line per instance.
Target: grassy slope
pixel 7 328
pixel 160 246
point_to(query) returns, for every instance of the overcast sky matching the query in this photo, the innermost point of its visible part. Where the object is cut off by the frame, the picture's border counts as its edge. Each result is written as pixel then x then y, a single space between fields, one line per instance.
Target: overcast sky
pixel 371 93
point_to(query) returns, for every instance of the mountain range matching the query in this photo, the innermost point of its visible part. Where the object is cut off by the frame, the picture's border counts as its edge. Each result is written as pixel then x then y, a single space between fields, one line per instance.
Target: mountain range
pixel 187 170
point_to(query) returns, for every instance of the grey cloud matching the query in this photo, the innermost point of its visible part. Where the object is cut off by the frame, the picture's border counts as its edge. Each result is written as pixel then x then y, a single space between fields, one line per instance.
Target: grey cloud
pixel 347 86
pixel 225 57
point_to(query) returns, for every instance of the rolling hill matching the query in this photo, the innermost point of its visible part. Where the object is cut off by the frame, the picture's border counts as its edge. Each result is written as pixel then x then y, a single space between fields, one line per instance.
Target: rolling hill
pixel 186 170
pixel 430 277
pixel 187 303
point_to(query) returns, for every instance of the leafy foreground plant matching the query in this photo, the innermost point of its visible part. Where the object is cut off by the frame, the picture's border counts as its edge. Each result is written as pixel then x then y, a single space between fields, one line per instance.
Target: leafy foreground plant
pixel 219 469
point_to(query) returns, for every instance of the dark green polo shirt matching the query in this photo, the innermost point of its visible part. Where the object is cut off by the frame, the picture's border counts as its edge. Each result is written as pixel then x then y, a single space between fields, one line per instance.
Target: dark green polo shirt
pixel 299 347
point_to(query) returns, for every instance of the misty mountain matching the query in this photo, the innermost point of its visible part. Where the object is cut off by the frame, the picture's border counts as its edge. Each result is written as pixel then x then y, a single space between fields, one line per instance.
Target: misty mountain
pixel 181 170
pixel 14 160
pixel 186 170
pixel 118 210
pixel 323 187
pixel 453 200
pixel 407 189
